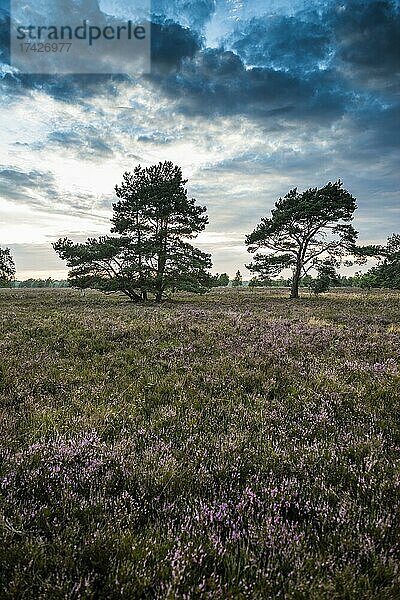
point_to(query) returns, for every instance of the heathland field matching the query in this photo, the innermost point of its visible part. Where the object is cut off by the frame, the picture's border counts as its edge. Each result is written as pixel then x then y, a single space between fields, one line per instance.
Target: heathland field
pixel 231 446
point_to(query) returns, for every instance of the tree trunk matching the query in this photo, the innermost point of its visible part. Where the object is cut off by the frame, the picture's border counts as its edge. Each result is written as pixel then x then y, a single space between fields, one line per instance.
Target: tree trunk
pixel 131 295
pixel 160 280
pixel 162 261
pixel 294 292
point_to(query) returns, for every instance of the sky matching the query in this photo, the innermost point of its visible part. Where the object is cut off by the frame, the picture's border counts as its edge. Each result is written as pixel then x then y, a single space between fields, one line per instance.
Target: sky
pixel 250 97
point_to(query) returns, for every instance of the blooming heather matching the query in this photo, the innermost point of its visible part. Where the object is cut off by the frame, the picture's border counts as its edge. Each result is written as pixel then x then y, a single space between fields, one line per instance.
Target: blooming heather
pixel 236 445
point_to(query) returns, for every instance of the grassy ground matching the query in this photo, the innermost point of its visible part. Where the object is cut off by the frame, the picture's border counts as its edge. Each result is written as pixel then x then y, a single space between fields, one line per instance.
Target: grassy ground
pixel 237 445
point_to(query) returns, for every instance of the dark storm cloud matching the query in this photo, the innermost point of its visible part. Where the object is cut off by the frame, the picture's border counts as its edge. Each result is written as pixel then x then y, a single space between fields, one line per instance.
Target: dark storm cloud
pixel 381 121
pixel 367 38
pixel 282 42
pixel 217 82
pixel 363 37
pixel 193 13
pixel 170 44
pixel 4 34
pixel 314 68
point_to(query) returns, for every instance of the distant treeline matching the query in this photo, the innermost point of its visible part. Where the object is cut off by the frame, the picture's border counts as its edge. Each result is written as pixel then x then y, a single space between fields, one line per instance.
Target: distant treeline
pixel 358 280
pixel 361 280
pixel 41 283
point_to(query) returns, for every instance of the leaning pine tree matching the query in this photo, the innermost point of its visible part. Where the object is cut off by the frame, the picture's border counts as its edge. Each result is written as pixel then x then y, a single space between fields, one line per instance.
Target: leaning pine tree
pixel 306 231
pixel 149 252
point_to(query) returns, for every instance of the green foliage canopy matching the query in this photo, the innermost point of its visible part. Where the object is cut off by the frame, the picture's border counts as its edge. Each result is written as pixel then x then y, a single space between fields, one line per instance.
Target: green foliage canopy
pixel 7 267
pixel 387 273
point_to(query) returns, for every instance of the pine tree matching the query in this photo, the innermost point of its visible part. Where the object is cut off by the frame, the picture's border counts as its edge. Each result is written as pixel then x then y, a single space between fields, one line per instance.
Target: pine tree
pixel 149 253
pixel 237 281
pixel 7 267
pixel 304 230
